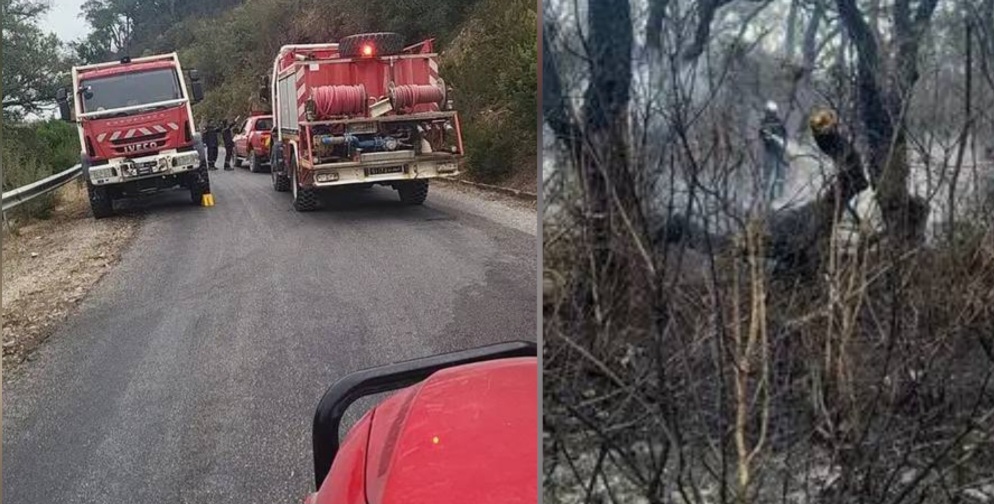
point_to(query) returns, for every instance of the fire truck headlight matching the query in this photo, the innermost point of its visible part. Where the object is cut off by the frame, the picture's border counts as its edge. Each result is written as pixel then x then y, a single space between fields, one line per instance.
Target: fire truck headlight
pixel 101 173
pixel 189 158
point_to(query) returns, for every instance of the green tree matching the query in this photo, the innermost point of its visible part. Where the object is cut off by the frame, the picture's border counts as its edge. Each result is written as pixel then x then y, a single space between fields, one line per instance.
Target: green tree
pixel 33 64
pixel 114 24
pixel 491 65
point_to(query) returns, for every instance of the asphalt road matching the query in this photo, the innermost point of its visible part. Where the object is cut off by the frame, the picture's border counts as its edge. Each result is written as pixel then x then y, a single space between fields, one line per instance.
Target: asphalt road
pixel 192 370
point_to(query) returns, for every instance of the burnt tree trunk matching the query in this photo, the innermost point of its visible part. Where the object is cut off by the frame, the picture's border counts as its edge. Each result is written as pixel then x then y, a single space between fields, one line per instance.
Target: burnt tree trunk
pixel 605 159
pixel 963 137
pixel 882 97
pixel 654 24
pixel 809 46
pixel 617 272
pixel 706 11
pixel 615 216
pixel 790 38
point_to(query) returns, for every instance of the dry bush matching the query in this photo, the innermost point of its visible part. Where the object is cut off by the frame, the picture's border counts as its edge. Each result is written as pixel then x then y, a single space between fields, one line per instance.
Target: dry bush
pixel 868 382
pixel 864 376
pixel 702 346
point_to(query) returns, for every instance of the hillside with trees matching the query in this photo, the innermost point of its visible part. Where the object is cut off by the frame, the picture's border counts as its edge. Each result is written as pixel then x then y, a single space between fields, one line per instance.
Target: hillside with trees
pixel 488 55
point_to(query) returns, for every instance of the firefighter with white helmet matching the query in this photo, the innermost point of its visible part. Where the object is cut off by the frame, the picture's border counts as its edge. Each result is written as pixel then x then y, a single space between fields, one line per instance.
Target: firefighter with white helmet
pixel 773 133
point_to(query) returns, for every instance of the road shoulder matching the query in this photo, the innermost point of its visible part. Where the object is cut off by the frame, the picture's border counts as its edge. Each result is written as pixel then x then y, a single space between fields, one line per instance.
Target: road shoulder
pixel 509 211
pixel 50 265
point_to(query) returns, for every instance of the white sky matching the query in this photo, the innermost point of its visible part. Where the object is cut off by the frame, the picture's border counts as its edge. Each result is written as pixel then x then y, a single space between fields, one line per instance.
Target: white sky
pixel 63 20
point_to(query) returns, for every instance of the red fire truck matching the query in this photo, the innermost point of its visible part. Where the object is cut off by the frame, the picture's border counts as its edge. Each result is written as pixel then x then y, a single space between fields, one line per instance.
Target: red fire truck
pixel 136 129
pixel 364 111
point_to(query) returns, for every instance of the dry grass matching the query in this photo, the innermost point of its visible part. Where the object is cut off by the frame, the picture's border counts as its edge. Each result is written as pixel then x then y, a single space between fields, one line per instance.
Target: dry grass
pixel 49 266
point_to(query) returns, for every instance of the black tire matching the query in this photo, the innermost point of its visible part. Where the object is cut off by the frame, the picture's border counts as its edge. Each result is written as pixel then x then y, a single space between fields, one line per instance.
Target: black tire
pixel 281 183
pixel 304 200
pixel 255 166
pixel 385 44
pixel 101 204
pixel 200 184
pixel 413 192
pixel 238 161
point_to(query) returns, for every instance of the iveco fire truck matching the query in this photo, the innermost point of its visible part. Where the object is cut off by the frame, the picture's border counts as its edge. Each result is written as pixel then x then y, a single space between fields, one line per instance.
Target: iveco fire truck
pixel 364 111
pixel 136 129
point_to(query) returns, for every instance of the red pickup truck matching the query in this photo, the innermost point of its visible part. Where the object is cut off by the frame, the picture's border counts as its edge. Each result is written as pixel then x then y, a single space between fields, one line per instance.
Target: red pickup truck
pixel 252 142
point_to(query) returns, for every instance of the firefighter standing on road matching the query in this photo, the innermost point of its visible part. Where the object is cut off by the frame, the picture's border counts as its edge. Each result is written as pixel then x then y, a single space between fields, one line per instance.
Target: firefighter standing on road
pixel 229 142
pixel 210 140
pixel 774 136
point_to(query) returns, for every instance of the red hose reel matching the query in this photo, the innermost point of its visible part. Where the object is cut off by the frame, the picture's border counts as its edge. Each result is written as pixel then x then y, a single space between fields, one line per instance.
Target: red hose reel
pixel 335 101
pixel 332 101
pixel 409 95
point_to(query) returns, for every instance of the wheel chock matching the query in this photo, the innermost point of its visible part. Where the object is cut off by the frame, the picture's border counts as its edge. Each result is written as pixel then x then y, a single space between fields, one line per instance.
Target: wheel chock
pixel 207 200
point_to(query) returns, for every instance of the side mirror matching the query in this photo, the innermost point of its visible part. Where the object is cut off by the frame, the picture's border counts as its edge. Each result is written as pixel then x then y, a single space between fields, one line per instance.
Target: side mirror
pixel 197 88
pixel 264 89
pixel 63 101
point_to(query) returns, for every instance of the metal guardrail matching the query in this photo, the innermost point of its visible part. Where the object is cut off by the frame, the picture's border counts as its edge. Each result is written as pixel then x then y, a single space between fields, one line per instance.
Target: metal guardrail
pixel 28 192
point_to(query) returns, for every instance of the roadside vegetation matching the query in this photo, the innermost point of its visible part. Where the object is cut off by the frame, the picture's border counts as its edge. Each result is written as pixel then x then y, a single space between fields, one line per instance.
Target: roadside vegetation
pixel 33 65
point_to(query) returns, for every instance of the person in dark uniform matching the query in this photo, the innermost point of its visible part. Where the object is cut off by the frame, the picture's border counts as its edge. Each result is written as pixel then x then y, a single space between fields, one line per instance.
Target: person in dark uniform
pixel 773 133
pixel 210 140
pixel 229 143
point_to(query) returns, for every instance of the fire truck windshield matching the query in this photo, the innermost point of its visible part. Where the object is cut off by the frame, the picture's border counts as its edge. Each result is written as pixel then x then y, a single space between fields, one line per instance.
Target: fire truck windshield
pixel 130 89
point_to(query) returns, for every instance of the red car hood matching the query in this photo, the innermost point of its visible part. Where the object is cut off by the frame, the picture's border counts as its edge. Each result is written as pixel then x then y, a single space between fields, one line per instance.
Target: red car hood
pixel 466 434
pixel 137 134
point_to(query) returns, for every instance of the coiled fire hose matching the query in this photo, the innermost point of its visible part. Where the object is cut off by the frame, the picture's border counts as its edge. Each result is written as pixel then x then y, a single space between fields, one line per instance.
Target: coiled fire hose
pixel 409 95
pixel 330 101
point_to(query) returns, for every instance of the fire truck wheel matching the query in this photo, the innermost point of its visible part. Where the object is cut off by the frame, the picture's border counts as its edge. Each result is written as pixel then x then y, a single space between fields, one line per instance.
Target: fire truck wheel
pixel 281 183
pixel 304 199
pixel 255 166
pixel 200 185
pixel 413 192
pixel 384 44
pixel 100 202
